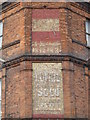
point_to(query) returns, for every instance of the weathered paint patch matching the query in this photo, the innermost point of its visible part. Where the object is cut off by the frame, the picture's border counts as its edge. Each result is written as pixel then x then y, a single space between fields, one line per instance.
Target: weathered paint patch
pixel 48 116
pixel 47 88
pixel 45 32
pixel 46 48
pixel 45 13
pixel 45 25
pixel 52 36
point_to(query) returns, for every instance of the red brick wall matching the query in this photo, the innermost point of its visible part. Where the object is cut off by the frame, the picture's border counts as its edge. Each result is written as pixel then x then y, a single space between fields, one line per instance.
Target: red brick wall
pixel 17 73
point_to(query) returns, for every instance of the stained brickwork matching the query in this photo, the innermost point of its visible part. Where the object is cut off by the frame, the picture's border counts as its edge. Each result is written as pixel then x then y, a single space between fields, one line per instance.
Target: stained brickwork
pixel 45 32
pixel 78 34
pixel 33 35
pixel 47 89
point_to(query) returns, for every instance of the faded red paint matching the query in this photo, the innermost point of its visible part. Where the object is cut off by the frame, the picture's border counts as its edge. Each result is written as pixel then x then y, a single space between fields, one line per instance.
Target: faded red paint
pixel 46 36
pixel 45 13
pixel 48 116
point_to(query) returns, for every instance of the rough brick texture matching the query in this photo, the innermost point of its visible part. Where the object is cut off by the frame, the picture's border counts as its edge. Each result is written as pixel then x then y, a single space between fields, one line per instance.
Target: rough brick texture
pixel 17 46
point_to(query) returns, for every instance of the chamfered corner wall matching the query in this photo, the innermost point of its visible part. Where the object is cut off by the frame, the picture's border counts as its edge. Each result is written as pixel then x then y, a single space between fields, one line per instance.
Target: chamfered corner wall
pixel 46 71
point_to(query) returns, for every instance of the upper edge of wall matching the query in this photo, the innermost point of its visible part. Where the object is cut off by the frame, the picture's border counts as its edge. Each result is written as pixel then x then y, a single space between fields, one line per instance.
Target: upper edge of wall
pixel 85 6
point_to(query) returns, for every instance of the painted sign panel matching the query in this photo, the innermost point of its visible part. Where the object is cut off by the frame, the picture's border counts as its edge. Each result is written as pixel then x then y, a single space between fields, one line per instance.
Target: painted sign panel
pixel 47 89
pixel 45 31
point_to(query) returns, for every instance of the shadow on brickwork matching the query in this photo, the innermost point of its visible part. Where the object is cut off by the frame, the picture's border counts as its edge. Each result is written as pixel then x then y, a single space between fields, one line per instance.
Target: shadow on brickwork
pixel 45 119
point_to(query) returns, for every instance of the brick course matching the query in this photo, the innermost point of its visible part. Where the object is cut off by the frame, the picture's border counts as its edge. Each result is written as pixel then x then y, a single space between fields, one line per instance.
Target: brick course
pixel 17 51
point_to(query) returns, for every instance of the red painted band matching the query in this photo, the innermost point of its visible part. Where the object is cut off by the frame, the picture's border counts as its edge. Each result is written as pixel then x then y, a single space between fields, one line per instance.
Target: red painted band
pixel 46 36
pixel 48 116
pixel 45 13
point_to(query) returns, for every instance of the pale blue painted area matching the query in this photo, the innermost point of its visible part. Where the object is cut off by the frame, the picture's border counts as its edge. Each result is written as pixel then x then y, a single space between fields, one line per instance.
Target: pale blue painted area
pixel 88 32
pixel 1 33
pixel 1 28
pixel 0 96
pixel 0 42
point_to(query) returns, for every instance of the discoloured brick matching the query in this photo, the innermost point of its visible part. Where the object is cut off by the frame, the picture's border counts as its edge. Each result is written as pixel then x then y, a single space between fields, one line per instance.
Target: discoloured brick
pixel 47 88
pixel 17 90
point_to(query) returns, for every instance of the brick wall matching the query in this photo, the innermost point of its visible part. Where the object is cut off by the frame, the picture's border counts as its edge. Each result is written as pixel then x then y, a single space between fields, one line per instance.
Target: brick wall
pixel 17 51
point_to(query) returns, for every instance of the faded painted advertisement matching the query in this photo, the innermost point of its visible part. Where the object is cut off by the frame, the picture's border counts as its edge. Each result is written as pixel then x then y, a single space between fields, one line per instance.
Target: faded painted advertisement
pixel 47 88
pixel 45 32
